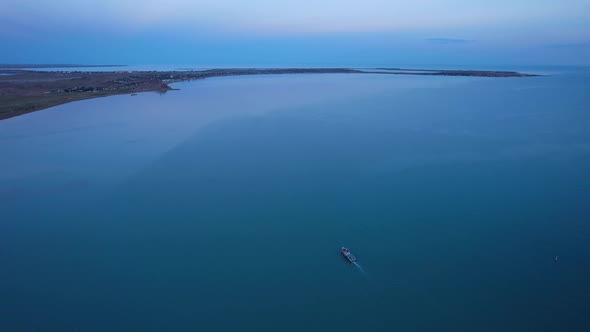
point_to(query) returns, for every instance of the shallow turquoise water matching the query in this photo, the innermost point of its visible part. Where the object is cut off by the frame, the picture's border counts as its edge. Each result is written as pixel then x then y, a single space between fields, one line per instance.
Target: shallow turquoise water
pixel 222 207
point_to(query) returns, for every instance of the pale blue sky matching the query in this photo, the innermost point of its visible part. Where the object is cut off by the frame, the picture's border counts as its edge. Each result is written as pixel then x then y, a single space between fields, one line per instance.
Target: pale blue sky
pixel 320 32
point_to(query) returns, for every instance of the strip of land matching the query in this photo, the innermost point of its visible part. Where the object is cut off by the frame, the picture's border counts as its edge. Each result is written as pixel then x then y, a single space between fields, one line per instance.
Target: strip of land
pixel 25 91
pixel 22 66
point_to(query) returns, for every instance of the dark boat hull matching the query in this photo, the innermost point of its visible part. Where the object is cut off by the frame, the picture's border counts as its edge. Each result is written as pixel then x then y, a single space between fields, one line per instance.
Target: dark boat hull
pixel 348 255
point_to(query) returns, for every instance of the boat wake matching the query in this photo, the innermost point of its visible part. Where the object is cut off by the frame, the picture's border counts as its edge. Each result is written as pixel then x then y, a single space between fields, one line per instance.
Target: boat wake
pixel 360 268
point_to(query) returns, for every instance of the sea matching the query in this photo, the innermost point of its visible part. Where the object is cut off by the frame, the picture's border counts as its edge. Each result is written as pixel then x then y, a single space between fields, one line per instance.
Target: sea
pixel 223 206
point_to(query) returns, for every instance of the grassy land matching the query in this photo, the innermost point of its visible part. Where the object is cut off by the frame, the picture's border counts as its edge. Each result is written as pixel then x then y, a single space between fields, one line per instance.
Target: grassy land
pixel 17 105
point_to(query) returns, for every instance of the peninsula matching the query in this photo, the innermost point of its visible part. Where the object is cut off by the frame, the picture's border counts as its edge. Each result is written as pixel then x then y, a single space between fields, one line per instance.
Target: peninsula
pixel 25 91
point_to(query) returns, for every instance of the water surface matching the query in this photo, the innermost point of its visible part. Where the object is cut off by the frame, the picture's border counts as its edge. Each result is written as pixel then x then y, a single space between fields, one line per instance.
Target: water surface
pixel 222 207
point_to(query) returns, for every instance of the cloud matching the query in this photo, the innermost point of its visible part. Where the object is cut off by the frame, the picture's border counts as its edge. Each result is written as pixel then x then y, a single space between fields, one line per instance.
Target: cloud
pixel 450 41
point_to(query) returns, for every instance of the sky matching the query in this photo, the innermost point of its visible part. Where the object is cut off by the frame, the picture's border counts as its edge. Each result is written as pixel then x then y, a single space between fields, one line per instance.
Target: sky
pixel 296 32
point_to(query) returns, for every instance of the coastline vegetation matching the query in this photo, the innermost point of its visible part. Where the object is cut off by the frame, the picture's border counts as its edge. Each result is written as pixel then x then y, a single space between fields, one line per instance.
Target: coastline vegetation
pixel 25 91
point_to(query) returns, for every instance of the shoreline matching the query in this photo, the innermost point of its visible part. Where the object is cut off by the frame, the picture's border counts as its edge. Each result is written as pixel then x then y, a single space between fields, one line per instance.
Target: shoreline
pixel 26 91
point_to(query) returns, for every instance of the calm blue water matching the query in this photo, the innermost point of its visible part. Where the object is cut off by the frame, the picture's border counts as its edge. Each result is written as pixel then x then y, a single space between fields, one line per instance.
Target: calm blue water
pixel 222 207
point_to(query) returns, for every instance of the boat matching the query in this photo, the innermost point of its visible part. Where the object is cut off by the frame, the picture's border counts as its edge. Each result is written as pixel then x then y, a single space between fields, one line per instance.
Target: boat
pixel 348 255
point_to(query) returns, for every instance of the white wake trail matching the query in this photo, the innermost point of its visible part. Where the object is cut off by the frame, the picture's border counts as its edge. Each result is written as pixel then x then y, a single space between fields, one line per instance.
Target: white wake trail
pixel 360 268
